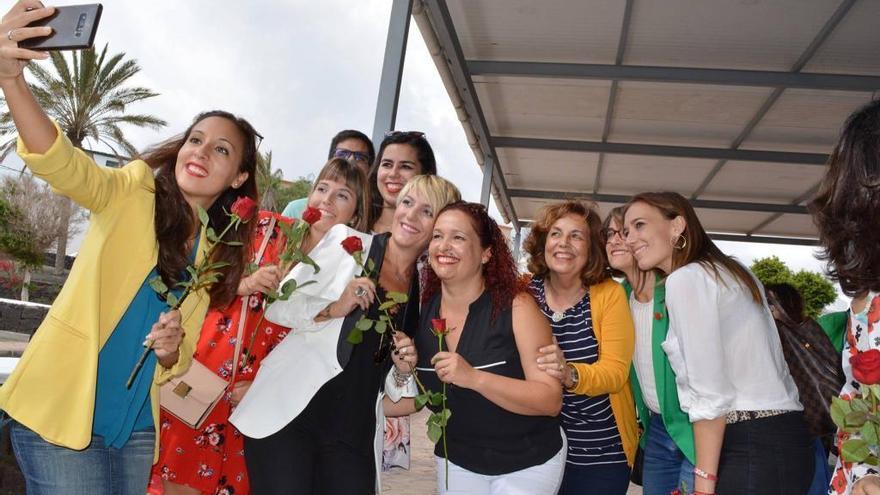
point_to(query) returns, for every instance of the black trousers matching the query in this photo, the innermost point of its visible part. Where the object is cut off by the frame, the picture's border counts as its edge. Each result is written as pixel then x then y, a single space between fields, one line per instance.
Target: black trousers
pixel 302 460
pixel 767 456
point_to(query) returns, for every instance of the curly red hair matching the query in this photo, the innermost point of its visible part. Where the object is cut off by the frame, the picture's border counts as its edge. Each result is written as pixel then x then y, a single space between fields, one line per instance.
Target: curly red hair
pixel 501 277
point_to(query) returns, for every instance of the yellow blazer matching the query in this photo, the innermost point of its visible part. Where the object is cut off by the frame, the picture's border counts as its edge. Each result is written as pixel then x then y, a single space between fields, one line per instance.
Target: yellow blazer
pixel 613 326
pixel 52 390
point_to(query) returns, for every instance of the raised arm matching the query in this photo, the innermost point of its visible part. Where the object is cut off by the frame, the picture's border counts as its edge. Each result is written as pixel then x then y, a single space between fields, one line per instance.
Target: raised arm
pixel 34 127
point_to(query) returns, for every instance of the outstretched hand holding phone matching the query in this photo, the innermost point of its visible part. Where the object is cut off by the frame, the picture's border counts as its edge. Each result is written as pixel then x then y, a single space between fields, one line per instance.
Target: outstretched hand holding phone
pixel 14 29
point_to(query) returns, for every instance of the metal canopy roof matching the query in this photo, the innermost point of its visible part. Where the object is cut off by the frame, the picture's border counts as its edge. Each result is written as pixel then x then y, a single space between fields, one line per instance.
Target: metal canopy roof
pixel 732 104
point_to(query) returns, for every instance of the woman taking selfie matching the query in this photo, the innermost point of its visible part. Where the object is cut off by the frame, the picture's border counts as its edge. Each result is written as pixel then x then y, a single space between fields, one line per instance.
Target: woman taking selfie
pixel 77 427
pixel 593 331
pixel 749 432
pixel 207 459
pixel 845 212
pixel 503 436
pixel 310 415
pixel 667 435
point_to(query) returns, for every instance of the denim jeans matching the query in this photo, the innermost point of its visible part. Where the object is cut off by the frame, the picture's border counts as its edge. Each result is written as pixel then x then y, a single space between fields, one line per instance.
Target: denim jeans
pixel 767 456
pixel 610 479
pixel 96 470
pixel 665 467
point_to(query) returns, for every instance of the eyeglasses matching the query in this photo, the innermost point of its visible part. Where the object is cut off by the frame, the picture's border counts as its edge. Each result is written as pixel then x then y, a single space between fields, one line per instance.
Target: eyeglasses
pixel 413 134
pixel 349 155
pixel 611 233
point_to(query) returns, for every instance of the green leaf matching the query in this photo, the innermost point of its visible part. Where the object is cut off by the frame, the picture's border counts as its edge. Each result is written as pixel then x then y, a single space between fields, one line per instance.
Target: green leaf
pixel 233 243
pixel 211 235
pixel 364 323
pixel 434 432
pixel 398 297
pixel 355 336
pixel 171 299
pixel 855 450
pixel 436 399
pixel 310 282
pixel 311 262
pixel 869 433
pixel 203 215
pixel 371 265
pixel 251 268
pixel 387 305
pixel 158 285
pixel 380 326
pixel 875 390
pixel 839 409
pixel 420 401
pixel 860 405
pixel 288 288
pixel 856 419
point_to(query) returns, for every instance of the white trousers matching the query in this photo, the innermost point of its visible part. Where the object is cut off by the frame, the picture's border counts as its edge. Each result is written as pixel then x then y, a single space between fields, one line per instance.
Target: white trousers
pixel 543 479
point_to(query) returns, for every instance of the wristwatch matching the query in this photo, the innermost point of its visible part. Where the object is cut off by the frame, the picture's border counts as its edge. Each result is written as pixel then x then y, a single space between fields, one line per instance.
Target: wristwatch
pixel 574 375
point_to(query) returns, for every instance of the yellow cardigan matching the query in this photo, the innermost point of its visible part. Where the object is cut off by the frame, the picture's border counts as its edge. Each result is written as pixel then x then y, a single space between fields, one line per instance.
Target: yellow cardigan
pixel 52 390
pixel 613 326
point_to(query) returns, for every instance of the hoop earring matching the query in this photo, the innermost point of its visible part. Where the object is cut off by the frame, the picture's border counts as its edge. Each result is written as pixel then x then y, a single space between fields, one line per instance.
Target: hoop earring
pixel 684 242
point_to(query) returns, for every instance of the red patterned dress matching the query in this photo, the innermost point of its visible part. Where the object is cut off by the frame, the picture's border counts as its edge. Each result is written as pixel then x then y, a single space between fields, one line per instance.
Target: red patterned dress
pixel 211 459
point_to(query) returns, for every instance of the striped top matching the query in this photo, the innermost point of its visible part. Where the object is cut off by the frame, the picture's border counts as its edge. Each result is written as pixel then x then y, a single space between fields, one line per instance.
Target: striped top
pixel 589 424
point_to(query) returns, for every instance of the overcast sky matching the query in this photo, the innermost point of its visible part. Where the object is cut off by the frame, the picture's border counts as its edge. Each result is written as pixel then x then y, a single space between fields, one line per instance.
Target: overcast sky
pixel 299 71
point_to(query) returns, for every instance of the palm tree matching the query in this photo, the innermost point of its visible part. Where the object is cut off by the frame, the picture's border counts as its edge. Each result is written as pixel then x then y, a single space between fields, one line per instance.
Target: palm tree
pixel 269 182
pixel 89 103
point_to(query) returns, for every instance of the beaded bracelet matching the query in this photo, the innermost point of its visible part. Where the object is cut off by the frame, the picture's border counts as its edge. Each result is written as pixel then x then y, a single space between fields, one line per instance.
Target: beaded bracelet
pixel 400 379
pixel 703 474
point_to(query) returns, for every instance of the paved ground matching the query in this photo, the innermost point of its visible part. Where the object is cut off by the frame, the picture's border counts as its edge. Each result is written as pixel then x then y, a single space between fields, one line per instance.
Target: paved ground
pixel 421 479
pixel 12 344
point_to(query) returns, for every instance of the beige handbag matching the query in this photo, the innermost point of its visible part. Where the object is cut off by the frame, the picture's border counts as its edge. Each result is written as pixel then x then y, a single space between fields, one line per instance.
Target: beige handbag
pixel 192 396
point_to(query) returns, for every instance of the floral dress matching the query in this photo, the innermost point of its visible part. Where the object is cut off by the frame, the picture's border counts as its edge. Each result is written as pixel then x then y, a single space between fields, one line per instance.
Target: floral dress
pixel 211 459
pixel 863 335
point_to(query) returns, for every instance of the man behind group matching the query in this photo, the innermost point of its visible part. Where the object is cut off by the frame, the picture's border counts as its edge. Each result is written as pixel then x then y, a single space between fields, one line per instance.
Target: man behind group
pixel 350 145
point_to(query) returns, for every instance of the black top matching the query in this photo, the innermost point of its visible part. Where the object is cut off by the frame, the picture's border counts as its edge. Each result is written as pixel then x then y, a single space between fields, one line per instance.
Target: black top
pixel 344 409
pixel 482 437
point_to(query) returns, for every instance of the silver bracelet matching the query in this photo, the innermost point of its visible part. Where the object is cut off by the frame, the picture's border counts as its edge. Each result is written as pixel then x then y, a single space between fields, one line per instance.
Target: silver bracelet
pixel 400 379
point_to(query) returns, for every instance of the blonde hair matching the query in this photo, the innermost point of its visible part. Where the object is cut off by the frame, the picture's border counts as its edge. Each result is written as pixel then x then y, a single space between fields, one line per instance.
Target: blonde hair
pixel 436 190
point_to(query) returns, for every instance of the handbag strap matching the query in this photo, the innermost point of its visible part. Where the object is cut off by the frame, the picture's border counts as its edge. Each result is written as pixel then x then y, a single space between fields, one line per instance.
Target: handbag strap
pixel 245 303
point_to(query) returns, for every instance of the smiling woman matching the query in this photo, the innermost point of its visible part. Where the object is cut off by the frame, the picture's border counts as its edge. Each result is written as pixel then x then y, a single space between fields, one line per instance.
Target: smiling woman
pixel 593 346
pixel 76 427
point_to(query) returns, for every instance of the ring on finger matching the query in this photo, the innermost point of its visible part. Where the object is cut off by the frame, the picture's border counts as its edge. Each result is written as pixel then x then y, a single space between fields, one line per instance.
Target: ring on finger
pixel 9 34
pixel 360 292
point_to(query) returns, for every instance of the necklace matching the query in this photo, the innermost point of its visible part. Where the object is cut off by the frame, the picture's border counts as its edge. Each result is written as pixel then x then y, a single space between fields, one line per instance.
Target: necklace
pixel 557 316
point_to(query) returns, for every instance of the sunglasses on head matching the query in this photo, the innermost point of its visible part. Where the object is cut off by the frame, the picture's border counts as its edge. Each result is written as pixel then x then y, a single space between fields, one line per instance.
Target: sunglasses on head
pixel 414 134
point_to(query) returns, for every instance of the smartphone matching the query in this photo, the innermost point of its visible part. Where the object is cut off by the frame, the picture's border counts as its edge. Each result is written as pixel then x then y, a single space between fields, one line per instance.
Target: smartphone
pixel 73 28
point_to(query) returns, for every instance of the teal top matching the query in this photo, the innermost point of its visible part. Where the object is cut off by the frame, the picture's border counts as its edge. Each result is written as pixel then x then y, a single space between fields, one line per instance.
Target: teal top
pixel 295 208
pixel 834 325
pixel 118 410
pixel 675 420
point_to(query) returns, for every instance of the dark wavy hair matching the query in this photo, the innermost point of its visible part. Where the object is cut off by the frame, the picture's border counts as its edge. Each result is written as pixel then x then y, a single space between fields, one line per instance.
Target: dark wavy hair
pixel 499 273
pixel 352 134
pixel 847 206
pixel 787 298
pixel 175 222
pixel 593 271
pixel 424 154
pixel 698 247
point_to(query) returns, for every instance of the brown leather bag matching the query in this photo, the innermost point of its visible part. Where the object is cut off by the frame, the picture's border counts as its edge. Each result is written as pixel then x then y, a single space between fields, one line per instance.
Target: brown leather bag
pixel 192 396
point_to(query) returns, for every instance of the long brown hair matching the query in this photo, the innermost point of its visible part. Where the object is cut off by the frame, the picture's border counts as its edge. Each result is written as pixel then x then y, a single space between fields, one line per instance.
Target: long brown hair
pixel 175 222
pixel 698 247
pixel 346 172
pixel 424 154
pixel 593 271
pixel 848 204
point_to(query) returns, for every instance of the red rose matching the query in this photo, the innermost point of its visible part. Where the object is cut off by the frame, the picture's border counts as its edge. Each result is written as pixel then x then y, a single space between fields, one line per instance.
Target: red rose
pixel 311 215
pixel 866 367
pixel 439 325
pixel 352 244
pixel 245 208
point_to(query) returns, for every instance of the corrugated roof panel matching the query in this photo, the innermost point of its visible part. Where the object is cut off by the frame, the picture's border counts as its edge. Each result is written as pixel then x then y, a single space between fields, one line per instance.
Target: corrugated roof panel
pixel 683 114
pixel 545 31
pixel 548 170
pixel 853 47
pixel 791 226
pixel 535 107
pixel 630 174
pixel 747 34
pixel 761 182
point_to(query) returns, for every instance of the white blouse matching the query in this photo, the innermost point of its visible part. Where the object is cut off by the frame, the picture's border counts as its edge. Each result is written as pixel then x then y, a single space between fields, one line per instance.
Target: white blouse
pixel 643 357
pixel 723 347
